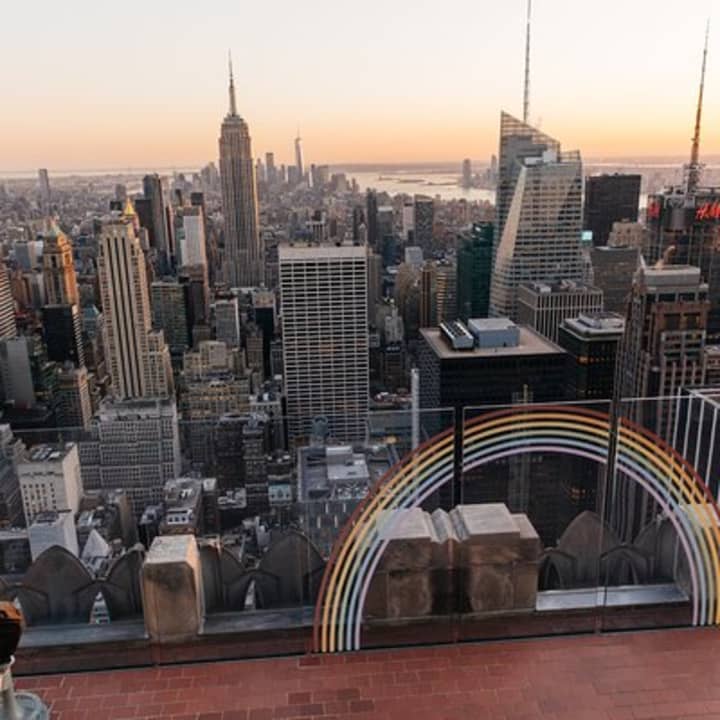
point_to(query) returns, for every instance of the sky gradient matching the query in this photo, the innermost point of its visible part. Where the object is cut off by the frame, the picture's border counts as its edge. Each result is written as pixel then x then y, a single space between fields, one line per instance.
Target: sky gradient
pixel 141 84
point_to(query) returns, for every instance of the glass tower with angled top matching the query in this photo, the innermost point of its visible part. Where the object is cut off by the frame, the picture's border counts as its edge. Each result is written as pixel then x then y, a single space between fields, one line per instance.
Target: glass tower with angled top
pixel 539 214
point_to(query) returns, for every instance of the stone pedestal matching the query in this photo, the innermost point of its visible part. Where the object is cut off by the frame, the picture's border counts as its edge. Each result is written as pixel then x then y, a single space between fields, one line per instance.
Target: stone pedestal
pixel 402 585
pixel 499 553
pixel 172 589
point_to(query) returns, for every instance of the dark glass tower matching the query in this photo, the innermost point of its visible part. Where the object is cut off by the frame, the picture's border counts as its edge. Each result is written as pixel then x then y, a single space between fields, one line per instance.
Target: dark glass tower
pixel 474 267
pixel 610 199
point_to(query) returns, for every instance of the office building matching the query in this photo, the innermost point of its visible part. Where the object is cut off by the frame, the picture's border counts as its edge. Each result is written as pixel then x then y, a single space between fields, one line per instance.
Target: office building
pixel 59 278
pixel 543 306
pixel 323 292
pixel 488 362
pixel 133 445
pixel 270 169
pixel 158 226
pixel 244 245
pixel 169 302
pixel 664 346
pixel 50 479
pixel 72 394
pixel 135 371
pixel 408 222
pixel 190 236
pixel 539 215
pixel 474 270
pixel 227 321
pixel 518 141
pixel 371 220
pixel 592 341
pixel 613 270
pixel 16 372
pixel 423 224
pixel 610 199
pixel 8 327
pixel 45 196
pixel 62 332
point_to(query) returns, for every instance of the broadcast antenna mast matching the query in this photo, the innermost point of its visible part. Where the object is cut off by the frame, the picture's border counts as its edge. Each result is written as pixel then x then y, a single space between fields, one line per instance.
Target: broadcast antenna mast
pixel 526 97
pixel 695 168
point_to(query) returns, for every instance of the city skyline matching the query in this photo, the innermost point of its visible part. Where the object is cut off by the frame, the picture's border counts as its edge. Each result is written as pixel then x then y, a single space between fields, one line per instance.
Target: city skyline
pixel 380 94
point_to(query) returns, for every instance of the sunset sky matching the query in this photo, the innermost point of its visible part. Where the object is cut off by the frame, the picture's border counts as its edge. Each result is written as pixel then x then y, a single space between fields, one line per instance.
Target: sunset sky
pixel 144 84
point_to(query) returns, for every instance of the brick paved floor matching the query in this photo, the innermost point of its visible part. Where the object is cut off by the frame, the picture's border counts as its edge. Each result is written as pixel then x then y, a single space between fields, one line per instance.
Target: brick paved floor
pixel 669 674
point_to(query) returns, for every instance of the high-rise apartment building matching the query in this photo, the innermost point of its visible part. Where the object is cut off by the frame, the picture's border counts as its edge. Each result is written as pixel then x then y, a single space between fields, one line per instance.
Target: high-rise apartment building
pixel 244 245
pixel 610 199
pixel 543 306
pixel 474 269
pixel 539 209
pixel 323 293
pixel 299 162
pixel 135 371
pixel 50 479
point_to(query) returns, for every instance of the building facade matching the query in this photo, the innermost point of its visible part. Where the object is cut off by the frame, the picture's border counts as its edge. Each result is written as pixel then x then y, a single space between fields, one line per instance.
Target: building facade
pixel 543 306
pixel 610 199
pixel 323 291
pixel 133 369
pixel 539 215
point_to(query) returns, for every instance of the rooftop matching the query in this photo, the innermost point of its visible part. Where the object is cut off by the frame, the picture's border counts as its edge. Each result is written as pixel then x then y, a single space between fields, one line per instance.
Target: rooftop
pixel 649 675
pixel 531 343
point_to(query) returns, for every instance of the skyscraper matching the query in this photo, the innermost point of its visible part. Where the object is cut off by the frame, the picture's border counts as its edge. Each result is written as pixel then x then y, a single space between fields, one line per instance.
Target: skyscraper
pixel 44 189
pixel 59 270
pixel 664 342
pixel 244 246
pixel 539 207
pixel 610 199
pixel 371 219
pixel 299 164
pixel 8 326
pixel 126 311
pixel 474 267
pixel 325 337
pixel 270 169
pixel 158 231
pixel 424 221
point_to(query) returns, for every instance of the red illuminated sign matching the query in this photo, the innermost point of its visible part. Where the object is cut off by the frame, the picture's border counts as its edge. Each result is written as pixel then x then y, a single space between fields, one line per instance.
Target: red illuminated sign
pixel 653 210
pixel 708 211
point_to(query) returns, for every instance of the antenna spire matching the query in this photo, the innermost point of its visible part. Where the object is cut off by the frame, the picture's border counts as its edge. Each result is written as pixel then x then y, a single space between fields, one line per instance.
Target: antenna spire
pixel 233 104
pixel 695 168
pixel 526 96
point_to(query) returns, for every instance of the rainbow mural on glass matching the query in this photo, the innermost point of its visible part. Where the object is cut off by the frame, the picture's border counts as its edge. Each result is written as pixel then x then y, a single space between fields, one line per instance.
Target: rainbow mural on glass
pixel 641 456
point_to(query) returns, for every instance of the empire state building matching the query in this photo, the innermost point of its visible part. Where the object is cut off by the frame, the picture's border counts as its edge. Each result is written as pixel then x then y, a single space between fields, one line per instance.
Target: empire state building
pixel 244 264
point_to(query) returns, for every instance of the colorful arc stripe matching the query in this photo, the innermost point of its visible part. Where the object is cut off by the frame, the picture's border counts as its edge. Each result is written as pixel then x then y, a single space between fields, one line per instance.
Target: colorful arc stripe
pixel 642 457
